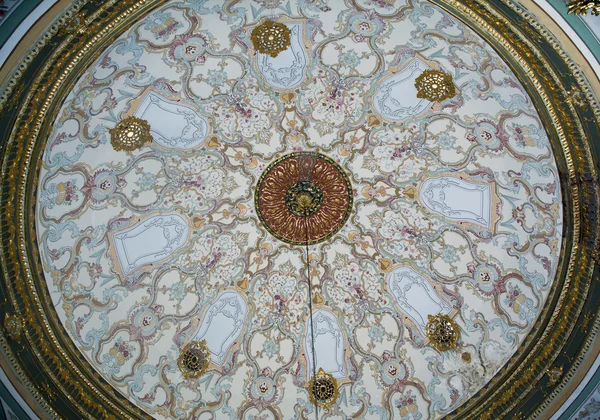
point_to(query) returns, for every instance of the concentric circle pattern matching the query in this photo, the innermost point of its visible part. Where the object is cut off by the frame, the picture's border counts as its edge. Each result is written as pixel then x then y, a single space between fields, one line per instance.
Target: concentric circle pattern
pixel 404 208
pixel 304 198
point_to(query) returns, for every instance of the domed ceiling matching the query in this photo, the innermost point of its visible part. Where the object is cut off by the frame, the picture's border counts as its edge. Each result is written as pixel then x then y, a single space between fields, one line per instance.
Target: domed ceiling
pixel 398 164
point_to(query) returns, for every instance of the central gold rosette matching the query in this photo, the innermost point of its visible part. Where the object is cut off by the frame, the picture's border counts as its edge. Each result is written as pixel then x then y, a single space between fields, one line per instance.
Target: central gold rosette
pixel 303 198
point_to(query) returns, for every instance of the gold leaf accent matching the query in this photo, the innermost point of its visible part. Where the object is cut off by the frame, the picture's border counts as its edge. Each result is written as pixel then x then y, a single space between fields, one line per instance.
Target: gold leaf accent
pixel 323 389
pixel 130 134
pixel 434 86
pixel 318 299
pixel 213 142
pixel 243 283
pixel 271 38
pixel 194 359
pixel 582 7
pixel 304 198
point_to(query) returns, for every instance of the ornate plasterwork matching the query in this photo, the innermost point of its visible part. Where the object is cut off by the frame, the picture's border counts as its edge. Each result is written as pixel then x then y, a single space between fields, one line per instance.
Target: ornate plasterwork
pixel 411 399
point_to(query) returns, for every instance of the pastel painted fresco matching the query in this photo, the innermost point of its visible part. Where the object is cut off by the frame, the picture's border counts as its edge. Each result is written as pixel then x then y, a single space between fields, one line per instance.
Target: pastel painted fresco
pixel 457 211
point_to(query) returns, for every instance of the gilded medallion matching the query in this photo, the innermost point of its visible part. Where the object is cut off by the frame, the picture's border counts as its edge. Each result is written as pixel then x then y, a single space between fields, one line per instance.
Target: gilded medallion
pixel 434 86
pixel 442 332
pixel 303 198
pixel 323 389
pixel 194 359
pixel 271 38
pixel 130 134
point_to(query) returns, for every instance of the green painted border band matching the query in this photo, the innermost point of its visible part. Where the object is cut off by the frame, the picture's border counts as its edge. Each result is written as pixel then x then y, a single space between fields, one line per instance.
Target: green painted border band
pixel 10 25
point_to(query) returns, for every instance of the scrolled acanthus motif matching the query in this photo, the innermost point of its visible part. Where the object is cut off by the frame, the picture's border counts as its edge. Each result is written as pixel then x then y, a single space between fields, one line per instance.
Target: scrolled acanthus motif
pixel 582 7
pixel 442 331
pixel 271 38
pixel 323 389
pixel 194 359
pixel 130 134
pixel 435 86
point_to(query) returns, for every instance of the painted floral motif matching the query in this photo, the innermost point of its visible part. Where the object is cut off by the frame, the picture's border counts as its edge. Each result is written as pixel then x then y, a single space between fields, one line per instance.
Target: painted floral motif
pixel 344 89
pixel 116 357
pixel 406 403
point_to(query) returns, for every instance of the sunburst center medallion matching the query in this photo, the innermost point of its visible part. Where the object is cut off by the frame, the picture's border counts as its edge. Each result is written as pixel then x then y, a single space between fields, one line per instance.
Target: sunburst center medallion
pixel 303 198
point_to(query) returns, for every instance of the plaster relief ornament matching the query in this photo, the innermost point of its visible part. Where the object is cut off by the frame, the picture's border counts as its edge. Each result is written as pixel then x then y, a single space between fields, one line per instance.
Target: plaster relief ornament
pixel 13 326
pixel 443 333
pixel 271 38
pixel 582 7
pixel 323 389
pixel 554 375
pixel 303 198
pixel 194 359
pixel 130 134
pixel 434 86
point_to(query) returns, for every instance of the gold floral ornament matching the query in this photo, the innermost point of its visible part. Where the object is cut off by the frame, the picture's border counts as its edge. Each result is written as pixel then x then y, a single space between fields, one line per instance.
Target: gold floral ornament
pixel 271 38
pixel 442 332
pixel 582 7
pixel 323 389
pixel 13 326
pixel 435 86
pixel 554 375
pixel 194 359
pixel 130 134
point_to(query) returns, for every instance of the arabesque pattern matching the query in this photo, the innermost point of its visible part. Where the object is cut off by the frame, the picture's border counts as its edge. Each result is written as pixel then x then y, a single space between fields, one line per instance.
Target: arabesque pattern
pixel 478 242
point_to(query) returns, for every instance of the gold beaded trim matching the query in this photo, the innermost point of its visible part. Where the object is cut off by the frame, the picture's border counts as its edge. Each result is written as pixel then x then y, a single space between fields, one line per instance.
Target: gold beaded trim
pixel 442 331
pixel 271 38
pixel 435 86
pixel 130 134
pixel 323 389
pixel 194 359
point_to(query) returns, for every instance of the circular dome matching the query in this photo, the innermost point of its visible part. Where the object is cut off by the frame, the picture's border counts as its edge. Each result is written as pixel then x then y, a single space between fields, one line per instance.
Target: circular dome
pixel 192 240
pixel 381 202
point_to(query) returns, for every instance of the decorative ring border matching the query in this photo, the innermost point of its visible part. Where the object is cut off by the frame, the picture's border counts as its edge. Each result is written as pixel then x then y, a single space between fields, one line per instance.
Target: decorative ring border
pixel 48 356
